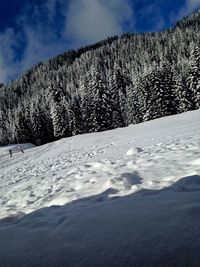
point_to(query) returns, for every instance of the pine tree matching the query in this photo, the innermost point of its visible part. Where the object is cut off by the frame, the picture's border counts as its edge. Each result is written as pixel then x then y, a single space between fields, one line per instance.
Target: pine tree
pixel 193 81
pixel 23 131
pixel 58 111
pixel 78 114
pixel 182 95
pixel 158 98
pixel 118 83
pixel 98 103
pixel 3 128
pixel 134 107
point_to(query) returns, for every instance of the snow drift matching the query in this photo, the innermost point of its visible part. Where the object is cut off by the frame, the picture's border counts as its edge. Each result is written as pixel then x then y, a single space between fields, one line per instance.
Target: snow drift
pixel 127 197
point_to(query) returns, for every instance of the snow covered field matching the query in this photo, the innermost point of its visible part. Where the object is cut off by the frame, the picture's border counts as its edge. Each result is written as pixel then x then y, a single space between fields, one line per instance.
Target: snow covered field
pixel 126 197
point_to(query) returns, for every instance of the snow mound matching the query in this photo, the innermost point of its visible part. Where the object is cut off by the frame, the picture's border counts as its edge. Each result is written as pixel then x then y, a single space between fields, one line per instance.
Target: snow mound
pixel 134 151
pixel 188 184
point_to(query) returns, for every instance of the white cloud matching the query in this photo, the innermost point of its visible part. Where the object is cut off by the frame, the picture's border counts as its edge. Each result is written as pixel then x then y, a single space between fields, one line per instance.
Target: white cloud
pixel 86 21
pixel 191 5
pixel 37 49
pixel 6 55
pixel 40 40
pixel 93 20
pixel 40 46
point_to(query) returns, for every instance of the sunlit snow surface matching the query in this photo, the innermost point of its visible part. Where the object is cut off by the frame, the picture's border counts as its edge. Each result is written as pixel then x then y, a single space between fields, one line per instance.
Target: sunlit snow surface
pixel 126 197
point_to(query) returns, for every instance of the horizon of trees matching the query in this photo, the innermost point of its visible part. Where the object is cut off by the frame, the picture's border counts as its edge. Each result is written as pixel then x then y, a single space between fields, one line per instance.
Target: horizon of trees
pixel 114 83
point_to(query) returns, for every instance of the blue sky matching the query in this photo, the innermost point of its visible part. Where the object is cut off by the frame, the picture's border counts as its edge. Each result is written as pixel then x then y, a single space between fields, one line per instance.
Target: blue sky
pixel 35 30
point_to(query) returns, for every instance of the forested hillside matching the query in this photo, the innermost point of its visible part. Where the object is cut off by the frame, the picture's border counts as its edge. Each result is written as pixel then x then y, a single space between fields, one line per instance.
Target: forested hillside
pixel 120 81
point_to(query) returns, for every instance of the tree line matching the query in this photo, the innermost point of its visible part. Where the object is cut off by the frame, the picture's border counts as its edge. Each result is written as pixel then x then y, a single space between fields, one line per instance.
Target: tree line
pixel 114 83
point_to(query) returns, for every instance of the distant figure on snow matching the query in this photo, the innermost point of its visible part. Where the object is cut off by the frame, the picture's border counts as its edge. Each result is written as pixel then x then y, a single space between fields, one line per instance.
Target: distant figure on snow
pixel 19 148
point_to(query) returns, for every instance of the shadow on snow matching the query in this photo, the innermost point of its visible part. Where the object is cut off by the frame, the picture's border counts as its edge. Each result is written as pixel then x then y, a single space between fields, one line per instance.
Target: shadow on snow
pixel 146 229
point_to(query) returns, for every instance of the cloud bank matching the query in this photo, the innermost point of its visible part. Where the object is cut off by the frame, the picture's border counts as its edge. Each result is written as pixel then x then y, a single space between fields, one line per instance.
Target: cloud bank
pixel 93 20
pixel 191 5
pixel 39 36
pixel 58 25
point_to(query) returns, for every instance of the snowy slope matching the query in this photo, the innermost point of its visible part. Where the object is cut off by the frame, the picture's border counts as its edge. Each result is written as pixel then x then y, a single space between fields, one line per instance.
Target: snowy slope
pixel 126 197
